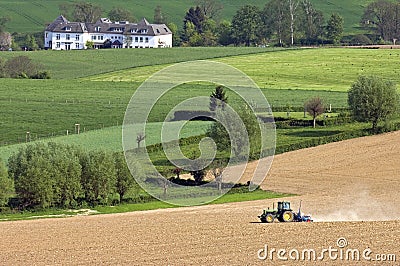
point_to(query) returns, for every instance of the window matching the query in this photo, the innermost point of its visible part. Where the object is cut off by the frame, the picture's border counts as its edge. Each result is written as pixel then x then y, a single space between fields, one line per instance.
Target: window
pixel 133 30
pixel 47 34
pixel 112 37
pixel 136 39
pixel 166 30
pixel 146 39
pixel 77 37
pixel 68 28
pixel 119 37
pixel 141 39
pixel 158 31
pixel 93 38
pixel 58 45
pixel 101 37
pixel 58 36
pixel 77 45
pixel 67 37
pixel 97 29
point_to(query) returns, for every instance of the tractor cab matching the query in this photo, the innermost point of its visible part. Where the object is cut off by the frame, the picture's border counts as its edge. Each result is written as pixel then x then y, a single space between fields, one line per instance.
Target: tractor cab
pixel 284 206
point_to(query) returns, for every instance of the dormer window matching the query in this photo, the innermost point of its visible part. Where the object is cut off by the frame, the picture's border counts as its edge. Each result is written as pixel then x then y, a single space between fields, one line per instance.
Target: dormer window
pixel 97 29
pixel 166 30
pixel 143 31
pixel 158 31
pixel 67 28
pixel 133 30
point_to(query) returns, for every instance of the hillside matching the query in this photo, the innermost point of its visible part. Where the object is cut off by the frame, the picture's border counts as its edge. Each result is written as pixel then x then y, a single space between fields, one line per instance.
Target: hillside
pixel 31 16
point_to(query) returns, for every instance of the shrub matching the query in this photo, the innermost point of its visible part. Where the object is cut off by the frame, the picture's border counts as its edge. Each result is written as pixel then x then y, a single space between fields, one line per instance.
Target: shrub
pixel 6 186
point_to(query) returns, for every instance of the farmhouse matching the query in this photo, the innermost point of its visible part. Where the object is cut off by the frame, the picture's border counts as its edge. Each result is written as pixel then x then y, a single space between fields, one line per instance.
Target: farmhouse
pixel 62 34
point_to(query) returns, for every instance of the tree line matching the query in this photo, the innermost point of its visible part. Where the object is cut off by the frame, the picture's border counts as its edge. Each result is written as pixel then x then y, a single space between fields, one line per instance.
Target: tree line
pixel 64 176
pixel 279 22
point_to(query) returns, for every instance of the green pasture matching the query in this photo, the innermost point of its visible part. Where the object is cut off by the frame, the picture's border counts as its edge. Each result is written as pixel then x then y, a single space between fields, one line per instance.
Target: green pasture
pixel 323 69
pixel 317 69
pixel 47 108
pixel 110 138
pixel 74 64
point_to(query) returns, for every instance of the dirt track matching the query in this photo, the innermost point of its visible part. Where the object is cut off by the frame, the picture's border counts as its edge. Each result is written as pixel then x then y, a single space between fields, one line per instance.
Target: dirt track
pixel 354 180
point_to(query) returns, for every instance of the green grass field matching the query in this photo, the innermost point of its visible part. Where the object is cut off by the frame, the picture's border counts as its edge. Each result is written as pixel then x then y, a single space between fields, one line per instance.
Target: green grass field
pixel 31 16
pixel 75 64
pixel 51 107
pixel 110 138
pixel 317 69
pixel 332 69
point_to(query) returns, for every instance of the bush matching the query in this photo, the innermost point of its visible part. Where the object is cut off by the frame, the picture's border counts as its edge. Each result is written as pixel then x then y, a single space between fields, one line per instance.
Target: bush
pixel 46 175
pixel 41 75
pixel 22 67
pixel 6 186
pixel 361 39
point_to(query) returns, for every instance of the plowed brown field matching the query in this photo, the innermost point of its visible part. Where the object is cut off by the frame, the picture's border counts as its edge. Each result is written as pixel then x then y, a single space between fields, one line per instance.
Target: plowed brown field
pixel 350 187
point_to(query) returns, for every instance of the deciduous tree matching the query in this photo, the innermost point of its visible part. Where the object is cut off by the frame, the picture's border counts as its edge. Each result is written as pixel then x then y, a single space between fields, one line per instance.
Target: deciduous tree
pixel 225 33
pixel 176 40
pixel 373 99
pixel 121 14
pixel 5 40
pixel 98 176
pixel 334 29
pixel 125 180
pixel 86 12
pixel 384 17
pixel 246 25
pixel 315 107
pixel 21 67
pixel 211 8
pixel 313 22
pixel 6 185
pixel 159 16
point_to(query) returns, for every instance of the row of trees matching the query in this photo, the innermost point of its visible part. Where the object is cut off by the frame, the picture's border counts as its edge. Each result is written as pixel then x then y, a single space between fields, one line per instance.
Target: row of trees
pixel 286 22
pixel 56 175
pixel 383 17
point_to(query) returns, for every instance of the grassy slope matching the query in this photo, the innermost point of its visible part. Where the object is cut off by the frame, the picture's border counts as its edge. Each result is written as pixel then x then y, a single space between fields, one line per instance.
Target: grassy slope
pixel 47 107
pixel 110 138
pixel 306 69
pixel 321 69
pixel 31 16
pixel 75 64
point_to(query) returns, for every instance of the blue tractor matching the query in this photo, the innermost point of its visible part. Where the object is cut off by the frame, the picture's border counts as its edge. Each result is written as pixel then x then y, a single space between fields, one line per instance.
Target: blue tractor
pixel 284 214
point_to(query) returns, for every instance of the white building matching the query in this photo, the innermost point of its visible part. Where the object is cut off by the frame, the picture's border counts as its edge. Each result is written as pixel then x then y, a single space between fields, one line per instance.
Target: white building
pixel 64 35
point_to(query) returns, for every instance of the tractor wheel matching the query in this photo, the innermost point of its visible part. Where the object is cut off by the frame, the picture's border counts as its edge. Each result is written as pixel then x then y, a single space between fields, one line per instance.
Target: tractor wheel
pixel 287 216
pixel 269 218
